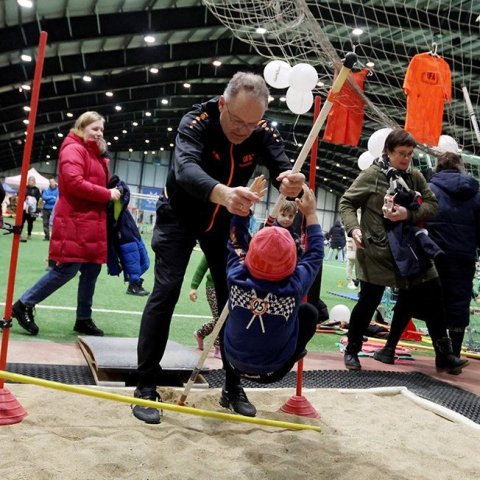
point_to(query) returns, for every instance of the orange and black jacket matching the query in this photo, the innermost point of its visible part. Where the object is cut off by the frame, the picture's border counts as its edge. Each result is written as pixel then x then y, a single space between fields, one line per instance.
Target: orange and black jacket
pixel 204 157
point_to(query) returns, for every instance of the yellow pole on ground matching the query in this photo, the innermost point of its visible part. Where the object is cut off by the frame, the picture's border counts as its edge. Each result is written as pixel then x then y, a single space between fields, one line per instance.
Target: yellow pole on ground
pixel 15 377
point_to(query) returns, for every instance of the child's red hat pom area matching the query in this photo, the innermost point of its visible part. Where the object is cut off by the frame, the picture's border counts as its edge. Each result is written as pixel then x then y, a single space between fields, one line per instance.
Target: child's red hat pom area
pixel 272 254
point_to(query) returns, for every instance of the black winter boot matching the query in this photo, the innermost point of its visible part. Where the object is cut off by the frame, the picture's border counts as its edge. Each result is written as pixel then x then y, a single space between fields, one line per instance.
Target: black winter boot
pixel 350 357
pixel 385 355
pixel 25 317
pixel 88 327
pixel 445 360
pixel 456 335
pixel 137 289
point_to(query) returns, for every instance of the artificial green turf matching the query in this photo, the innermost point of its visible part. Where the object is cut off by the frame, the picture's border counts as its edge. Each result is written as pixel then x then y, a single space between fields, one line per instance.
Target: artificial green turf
pixel 123 312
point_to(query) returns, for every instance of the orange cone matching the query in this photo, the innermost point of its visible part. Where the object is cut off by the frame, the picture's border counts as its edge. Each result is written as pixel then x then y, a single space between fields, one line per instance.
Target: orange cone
pixel 11 411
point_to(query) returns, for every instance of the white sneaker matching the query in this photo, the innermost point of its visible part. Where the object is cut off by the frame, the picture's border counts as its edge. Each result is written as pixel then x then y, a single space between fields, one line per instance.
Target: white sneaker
pixel 351 285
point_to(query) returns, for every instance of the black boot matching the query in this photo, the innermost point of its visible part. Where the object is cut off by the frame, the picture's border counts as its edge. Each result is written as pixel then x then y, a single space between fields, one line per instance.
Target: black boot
pixel 445 360
pixel 25 317
pixel 350 357
pixel 456 335
pixel 88 327
pixel 137 289
pixel 385 355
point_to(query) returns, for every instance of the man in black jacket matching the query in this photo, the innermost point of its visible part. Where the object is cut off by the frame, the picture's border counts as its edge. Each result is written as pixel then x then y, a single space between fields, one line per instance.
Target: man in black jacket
pixel 218 145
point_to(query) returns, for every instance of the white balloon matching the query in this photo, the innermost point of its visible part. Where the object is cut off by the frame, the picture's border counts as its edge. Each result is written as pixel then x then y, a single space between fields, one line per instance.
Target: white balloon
pixel 365 160
pixel 303 77
pixel 340 313
pixel 277 73
pixel 299 102
pixel 376 142
pixel 446 143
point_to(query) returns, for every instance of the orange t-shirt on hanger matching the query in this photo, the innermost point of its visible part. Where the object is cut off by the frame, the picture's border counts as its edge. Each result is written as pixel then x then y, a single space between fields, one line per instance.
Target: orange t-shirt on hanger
pixel 345 120
pixel 428 86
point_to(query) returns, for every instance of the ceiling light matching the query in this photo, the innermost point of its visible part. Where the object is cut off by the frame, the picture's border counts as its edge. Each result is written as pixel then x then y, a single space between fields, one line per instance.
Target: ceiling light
pixel 283 99
pixel 59 134
pixel 162 149
pixel 69 114
pixel 26 108
pixel 324 179
pixel 147 141
pixel 186 85
pixel 54 147
pixel 149 38
pixel 274 124
pixel 145 152
pixel 25 58
pixel 26 122
pixel 153 70
pixel 87 78
pixel 344 178
pixel 118 108
pixel 216 63
pixel 357 31
pixel 109 94
pixel 25 87
pixel 115 137
pixel 135 124
pixel 337 164
pixel 109 143
pixel 47 163
pixel 148 114
pixel 261 30
pixel 47 156
pixel 170 129
pixel 25 3
pixel 292 160
pixel 317 168
pixel 153 152
pixel 370 64
pixel 172 145
pixel 124 131
pixel 130 149
pixel 164 101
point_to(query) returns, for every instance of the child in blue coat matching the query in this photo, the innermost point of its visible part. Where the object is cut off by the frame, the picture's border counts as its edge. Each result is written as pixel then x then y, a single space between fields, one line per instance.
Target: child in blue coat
pixel 268 326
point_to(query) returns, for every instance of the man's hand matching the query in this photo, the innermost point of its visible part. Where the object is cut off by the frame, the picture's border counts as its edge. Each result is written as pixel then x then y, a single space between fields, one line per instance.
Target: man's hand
pixel 291 183
pixel 358 238
pixel 237 200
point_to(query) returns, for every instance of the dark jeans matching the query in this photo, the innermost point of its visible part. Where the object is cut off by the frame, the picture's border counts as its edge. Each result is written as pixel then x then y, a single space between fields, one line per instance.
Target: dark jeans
pixel 422 301
pixel 46 214
pixel 307 320
pixel 173 245
pixel 58 276
pixel 29 219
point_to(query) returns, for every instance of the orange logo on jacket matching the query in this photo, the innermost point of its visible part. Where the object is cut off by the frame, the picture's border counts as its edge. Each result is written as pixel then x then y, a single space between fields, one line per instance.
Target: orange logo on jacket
pixel 216 155
pixel 247 160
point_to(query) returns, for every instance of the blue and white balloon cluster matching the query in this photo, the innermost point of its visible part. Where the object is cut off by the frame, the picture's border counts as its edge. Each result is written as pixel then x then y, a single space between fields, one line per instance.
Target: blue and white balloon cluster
pixel 300 79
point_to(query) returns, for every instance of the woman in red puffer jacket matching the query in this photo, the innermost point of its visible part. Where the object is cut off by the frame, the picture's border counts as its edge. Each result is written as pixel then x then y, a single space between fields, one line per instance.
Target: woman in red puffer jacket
pixel 79 234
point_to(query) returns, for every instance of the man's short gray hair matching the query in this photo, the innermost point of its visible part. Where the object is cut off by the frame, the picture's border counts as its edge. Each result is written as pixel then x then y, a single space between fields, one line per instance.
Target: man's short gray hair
pixel 250 82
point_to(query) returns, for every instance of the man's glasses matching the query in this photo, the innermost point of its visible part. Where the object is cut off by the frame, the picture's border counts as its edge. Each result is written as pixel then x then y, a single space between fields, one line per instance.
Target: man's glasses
pixel 238 123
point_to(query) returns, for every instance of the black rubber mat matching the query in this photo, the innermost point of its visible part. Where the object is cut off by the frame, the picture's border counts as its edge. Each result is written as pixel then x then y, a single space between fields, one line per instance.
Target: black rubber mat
pixel 69 374
pixel 456 399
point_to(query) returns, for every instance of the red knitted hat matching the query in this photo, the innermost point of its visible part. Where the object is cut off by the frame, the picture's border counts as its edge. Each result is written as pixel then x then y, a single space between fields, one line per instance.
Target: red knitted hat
pixel 272 254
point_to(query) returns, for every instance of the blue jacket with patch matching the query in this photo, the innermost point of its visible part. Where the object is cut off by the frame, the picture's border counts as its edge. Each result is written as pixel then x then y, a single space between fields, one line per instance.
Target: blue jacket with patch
pixel 262 327
pixel 126 250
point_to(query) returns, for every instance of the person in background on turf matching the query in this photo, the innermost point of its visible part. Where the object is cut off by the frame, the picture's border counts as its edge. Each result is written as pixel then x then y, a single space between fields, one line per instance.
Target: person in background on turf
pixel 268 327
pixel 379 263
pixel 49 196
pixel 456 230
pixel 32 196
pixel 338 241
pixel 79 234
pixel 207 328
pixel 217 148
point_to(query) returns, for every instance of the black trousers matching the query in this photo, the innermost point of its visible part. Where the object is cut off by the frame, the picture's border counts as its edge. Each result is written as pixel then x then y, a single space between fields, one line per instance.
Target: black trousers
pixel 422 301
pixel 173 245
pixel 307 319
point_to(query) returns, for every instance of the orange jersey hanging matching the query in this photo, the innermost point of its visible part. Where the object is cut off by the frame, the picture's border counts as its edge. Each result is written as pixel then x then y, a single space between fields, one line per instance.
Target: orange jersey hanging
pixel 345 120
pixel 427 85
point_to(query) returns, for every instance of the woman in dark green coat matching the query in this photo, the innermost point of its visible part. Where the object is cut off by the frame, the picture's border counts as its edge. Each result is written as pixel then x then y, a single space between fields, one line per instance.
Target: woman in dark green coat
pixel 380 257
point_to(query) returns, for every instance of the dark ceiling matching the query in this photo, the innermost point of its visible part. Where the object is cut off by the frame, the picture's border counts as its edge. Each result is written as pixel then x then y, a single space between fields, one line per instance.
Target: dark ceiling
pixel 105 39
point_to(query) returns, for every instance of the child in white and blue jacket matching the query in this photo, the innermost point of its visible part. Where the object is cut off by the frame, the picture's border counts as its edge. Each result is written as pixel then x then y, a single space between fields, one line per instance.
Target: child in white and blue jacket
pixel 268 326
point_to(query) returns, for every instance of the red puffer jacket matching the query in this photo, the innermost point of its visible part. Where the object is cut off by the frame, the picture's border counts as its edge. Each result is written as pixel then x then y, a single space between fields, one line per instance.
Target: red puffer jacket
pixel 79 232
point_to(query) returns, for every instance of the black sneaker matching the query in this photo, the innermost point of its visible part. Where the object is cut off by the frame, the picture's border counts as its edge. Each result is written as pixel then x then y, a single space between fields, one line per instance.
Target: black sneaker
pixel 24 316
pixel 147 414
pixel 237 401
pixel 351 361
pixel 385 355
pixel 137 289
pixel 88 328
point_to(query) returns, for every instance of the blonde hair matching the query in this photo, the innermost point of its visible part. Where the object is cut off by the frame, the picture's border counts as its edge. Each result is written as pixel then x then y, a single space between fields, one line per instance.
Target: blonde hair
pixel 83 121
pixel 289 207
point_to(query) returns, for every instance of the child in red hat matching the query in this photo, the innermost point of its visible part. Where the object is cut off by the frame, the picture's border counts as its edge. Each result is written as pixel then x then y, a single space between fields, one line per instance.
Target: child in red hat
pixel 268 326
